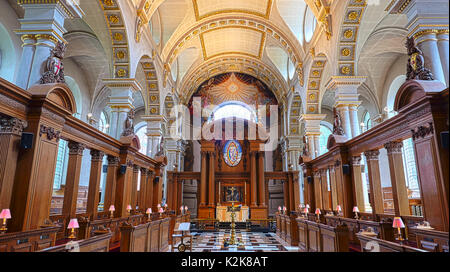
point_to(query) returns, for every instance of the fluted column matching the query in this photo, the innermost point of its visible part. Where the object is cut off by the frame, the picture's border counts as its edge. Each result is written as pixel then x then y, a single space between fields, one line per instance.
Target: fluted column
pixel 111 179
pixel 318 190
pixel 355 124
pixel 134 182
pixel 398 180
pixel 73 179
pixel 324 186
pixel 376 195
pixel 212 191
pixel 26 60
pixel 143 190
pixel 10 134
pixel 261 180
pixel 149 191
pixel 253 178
pixel 203 174
pixel 344 112
pixel 334 194
pixel 358 183
pixel 94 183
pixel 442 40
pixel 312 131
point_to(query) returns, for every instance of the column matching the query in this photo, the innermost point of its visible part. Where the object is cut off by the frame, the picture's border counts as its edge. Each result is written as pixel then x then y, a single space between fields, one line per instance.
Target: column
pixel 155 124
pixel 376 195
pixel 261 180
pixel 426 40
pixel 358 184
pixel 94 183
pixel 317 147
pixel 398 180
pixel 10 134
pixel 253 178
pixel 442 40
pixel 212 191
pixel 26 61
pixel 73 179
pixel 203 180
pixel 149 191
pixel 347 101
pixel 312 131
pixel 43 22
pixel 334 197
pixel 175 193
pixel 354 122
pixel 123 188
pixel 143 190
pixel 111 177
pixel 325 195
pixel 134 183
pixel 317 190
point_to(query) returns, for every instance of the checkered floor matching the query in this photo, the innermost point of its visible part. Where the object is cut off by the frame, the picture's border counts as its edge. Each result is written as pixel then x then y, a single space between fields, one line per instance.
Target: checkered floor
pixel 250 242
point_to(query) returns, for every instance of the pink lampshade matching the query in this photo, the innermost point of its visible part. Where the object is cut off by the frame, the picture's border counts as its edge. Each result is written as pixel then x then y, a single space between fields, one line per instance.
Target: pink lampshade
pixel 307 206
pixel 161 210
pixel 318 211
pixel 165 205
pixel 355 209
pixel 185 208
pixel 5 214
pixel 398 223
pixel 305 210
pixel 129 207
pixel 73 224
pixel 338 208
pixel 284 208
pixel 159 206
pixel 149 211
pixel 279 208
pixel 111 208
pixel 181 208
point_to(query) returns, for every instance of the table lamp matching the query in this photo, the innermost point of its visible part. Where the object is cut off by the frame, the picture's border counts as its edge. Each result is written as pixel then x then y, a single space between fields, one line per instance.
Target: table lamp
pixel 161 211
pixel 318 213
pixel 338 209
pixel 398 224
pixel 129 208
pixel 149 212
pixel 305 211
pixel 73 224
pixel 284 209
pixel 111 210
pixel 356 211
pixel 279 209
pixel 5 215
pixel 307 206
pixel 185 208
pixel 182 210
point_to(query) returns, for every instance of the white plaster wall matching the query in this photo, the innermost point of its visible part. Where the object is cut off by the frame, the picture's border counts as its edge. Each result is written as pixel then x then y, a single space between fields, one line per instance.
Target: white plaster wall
pixel 9 21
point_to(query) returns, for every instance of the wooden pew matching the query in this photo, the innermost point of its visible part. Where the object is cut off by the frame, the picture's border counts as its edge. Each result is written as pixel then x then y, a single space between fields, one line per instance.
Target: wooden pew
pixel 154 239
pixel 99 243
pixel 314 236
pixel 135 238
pixel 431 240
pixel 29 241
pixel 371 244
pixel 164 235
pixel 303 238
pixel 278 218
pixel 334 239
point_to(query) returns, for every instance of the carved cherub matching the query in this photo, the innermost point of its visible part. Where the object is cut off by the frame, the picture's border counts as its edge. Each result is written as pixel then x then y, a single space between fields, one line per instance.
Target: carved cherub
pixel 415 68
pixel 128 128
pixel 337 126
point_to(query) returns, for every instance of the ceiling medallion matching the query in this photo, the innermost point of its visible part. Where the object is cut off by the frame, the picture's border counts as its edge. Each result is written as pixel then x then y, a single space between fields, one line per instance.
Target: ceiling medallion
pixel 232 153
pixel 233 88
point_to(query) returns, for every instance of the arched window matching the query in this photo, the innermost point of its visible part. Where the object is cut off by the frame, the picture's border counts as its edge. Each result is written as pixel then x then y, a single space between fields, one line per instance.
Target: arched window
pixel 7 55
pixel 103 124
pixel 310 25
pixel 76 92
pixel 325 132
pixel 367 122
pixel 234 109
pixel 141 132
pixel 393 89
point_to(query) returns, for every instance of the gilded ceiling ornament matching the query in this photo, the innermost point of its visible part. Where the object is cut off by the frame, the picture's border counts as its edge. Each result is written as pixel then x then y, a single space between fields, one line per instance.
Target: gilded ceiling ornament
pixel 348 33
pixel 345 70
pixel 353 15
pixel 345 52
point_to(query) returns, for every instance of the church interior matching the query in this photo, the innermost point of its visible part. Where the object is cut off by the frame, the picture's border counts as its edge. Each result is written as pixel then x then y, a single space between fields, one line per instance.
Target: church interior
pixel 224 125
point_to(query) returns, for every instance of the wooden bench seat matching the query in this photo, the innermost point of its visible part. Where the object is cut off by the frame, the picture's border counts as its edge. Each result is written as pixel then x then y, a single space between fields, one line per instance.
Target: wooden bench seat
pixel 29 241
pixel 99 243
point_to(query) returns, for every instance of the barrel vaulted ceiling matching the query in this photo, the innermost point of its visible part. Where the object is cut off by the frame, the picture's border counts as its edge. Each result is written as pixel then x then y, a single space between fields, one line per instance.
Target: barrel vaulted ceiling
pixel 201 38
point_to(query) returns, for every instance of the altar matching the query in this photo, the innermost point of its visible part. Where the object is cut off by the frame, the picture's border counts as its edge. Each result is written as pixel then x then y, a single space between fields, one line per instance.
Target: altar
pixel 223 215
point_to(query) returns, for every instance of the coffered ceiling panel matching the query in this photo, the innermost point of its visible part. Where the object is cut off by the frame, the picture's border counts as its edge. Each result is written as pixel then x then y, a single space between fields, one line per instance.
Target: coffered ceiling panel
pixel 232 40
pixel 206 8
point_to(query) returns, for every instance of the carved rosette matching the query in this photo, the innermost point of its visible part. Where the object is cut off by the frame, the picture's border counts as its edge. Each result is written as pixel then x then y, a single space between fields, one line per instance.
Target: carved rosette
pixel 394 147
pixel 356 161
pixel 50 132
pixel 12 126
pixel 422 131
pixel 372 155
pixel 113 161
pixel 76 148
pixel 97 155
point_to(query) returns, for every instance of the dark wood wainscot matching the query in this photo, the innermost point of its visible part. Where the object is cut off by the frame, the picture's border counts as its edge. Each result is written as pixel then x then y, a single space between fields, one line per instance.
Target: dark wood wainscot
pixel 28 241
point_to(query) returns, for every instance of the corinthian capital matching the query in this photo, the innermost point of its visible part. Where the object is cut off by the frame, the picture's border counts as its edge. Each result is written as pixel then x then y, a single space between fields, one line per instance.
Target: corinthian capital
pixel 12 125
